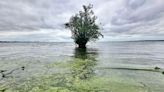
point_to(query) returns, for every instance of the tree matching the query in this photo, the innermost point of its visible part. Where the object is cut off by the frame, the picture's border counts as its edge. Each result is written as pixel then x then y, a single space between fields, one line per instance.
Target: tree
pixel 83 26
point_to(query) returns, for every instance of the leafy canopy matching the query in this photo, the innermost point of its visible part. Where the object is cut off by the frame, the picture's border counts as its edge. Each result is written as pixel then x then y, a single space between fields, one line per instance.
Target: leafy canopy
pixel 83 25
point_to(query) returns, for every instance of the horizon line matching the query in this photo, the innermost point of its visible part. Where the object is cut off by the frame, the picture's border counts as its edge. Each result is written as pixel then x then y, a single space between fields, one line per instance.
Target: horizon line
pixel 71 41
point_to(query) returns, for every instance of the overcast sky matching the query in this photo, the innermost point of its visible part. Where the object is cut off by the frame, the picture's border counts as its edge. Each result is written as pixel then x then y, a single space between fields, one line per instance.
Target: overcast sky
pixel 42 20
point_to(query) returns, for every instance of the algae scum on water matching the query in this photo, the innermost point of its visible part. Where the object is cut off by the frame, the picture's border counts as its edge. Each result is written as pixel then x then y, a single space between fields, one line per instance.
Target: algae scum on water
pixel 80 77
pixel 82 72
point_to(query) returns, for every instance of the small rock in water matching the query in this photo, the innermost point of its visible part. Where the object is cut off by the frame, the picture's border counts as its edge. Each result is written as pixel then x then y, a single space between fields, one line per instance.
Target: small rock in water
pixel 23 67
pixel 3 76
pixel 163 72
pixel 1 71
pixel 157 68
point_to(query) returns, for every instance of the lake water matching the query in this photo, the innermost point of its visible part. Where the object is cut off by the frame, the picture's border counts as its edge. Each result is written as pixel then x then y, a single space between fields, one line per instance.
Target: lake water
pixel 128 65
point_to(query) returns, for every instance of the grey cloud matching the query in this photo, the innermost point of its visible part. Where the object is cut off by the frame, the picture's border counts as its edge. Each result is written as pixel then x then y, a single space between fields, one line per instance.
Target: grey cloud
pixel 134 4
pixel 138 17
pixel 143 12
pixel 119 18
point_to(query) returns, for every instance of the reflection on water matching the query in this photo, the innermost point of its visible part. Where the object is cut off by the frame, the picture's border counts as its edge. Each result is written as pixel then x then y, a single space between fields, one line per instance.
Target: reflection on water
pixel 88 53
pixel 80 53
pixel 83 68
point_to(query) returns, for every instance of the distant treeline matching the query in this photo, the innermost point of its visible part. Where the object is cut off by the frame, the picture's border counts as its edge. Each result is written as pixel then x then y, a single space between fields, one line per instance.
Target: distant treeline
pixel 19 41
pixel 61 42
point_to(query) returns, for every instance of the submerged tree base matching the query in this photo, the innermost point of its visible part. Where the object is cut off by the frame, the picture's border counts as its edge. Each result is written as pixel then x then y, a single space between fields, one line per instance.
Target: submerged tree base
pixel 82 46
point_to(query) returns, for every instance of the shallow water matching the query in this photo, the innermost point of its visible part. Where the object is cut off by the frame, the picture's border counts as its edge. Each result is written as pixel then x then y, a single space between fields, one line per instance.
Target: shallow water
pixel 123 64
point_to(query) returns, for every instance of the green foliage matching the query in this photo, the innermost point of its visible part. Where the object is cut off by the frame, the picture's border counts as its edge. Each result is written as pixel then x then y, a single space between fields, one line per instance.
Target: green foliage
pixel 83 26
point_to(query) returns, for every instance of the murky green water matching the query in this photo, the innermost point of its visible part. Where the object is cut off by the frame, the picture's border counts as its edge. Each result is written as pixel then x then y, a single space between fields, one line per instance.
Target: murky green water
pixel 102 67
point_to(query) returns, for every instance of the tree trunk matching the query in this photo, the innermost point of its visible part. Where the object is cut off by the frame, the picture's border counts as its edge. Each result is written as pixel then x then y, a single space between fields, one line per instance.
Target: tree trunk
pixel 82 45
pixel 81 42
